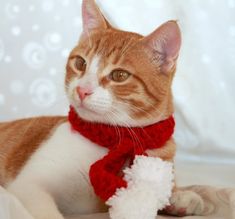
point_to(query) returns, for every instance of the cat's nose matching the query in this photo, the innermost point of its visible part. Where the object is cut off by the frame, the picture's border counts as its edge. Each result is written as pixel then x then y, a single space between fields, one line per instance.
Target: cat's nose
pixel 83 92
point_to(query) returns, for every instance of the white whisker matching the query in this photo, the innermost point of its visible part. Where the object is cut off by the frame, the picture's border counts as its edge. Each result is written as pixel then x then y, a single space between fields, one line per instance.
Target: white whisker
pixel 133 135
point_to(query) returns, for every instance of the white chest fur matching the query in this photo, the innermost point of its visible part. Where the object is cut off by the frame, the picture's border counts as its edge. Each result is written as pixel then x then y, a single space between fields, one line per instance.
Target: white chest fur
pixel 62 165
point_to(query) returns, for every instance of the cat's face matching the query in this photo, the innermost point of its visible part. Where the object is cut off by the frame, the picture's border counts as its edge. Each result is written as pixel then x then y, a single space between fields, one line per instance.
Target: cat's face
pixel 122 78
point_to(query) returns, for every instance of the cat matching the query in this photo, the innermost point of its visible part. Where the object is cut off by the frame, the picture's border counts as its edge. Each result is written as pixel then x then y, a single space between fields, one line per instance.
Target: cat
pixel 112 77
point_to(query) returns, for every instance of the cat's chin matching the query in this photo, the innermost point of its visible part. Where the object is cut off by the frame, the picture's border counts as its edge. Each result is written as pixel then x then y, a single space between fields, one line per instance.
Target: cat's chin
pixel 90 115
pixel 96 117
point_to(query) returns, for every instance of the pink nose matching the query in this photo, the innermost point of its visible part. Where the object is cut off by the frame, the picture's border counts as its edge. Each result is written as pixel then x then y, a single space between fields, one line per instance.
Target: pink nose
pixel 83 92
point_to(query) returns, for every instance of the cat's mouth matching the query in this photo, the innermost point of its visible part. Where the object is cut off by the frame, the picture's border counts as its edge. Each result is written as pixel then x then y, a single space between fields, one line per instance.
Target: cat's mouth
pixel 83 108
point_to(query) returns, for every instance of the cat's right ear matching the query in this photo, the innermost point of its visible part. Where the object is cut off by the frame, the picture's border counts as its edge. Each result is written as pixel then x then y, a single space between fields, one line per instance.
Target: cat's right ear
pixel 92 17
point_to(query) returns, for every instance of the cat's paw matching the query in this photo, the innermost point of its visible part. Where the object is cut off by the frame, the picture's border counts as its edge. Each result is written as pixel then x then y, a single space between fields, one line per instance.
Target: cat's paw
pixel 183 203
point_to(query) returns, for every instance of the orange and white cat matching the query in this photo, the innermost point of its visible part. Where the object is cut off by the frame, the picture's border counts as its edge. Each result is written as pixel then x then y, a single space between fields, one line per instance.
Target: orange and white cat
pixel 113 77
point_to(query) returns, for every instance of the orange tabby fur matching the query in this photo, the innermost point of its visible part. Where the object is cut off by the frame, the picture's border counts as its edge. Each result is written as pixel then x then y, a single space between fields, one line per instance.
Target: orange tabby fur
pixel 19 139
pixel 123 50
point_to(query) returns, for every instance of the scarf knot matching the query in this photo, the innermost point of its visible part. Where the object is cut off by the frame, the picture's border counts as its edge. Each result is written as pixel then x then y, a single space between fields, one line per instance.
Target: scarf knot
pixel 123 144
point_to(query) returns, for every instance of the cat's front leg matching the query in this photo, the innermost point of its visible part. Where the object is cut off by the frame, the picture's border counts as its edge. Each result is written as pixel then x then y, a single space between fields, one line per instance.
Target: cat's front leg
pixel 181 202
pixel 36 200
pixel 185 203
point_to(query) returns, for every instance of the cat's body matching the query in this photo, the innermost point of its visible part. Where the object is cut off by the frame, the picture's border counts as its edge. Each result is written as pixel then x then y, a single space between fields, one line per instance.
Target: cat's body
pixel 58 160
pixel 113 77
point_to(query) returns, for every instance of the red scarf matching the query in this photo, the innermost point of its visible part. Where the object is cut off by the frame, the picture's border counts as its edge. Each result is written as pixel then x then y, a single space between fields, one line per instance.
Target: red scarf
pixel 105 173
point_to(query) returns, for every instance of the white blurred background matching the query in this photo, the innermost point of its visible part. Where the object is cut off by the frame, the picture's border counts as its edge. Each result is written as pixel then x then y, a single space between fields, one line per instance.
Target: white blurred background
pixel 36 37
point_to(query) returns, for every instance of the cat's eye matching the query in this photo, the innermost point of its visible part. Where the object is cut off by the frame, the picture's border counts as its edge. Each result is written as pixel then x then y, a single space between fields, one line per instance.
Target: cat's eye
pixel 119 75
pixel 80 63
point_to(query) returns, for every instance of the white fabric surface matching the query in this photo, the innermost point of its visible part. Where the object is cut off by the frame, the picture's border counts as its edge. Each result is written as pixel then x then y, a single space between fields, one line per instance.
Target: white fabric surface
pixel 11 208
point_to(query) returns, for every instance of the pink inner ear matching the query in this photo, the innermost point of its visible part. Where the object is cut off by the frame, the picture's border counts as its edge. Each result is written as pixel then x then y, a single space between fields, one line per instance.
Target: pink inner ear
pixel 166 43
pixel 92 17
pixel 88 20
pixel 170 34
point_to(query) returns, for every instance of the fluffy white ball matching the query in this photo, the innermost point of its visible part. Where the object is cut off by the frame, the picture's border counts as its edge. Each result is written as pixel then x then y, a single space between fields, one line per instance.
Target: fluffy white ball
pixel 150 182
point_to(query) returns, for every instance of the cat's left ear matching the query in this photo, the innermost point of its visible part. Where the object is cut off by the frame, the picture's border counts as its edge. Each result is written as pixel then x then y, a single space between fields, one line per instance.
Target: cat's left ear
pixel 92 17
pixel 165 43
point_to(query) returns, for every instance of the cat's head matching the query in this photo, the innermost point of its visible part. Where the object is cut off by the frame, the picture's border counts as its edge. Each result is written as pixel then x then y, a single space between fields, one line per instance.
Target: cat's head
pixel 122 78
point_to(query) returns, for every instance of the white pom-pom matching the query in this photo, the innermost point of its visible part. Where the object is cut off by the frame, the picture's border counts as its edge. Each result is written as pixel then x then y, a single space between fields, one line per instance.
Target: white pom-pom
pixel 150 182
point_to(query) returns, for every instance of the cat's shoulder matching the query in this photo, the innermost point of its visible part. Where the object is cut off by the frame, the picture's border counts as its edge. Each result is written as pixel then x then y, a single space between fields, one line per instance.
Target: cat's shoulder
pixel 35 127
pixel 29 128
pixel 40 120
pixel 20 138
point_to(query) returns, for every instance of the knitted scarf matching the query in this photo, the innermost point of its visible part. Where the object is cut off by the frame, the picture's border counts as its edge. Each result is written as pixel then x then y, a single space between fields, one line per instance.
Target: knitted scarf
pixel 123 144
